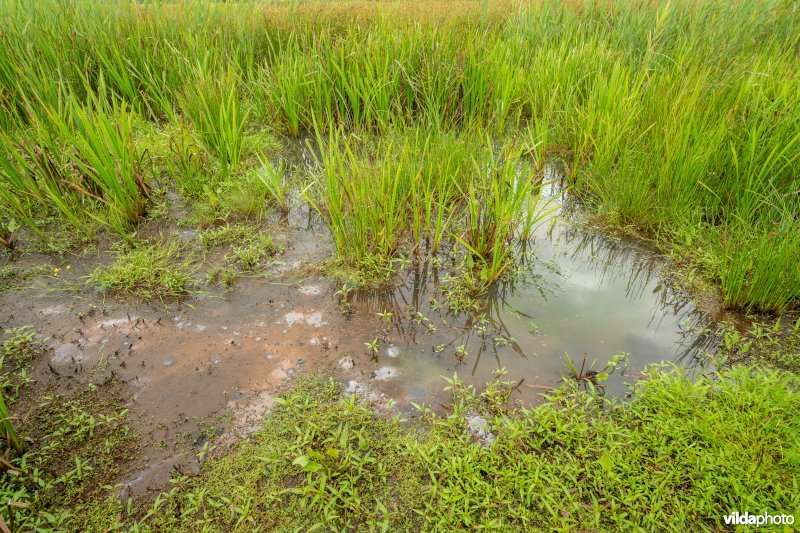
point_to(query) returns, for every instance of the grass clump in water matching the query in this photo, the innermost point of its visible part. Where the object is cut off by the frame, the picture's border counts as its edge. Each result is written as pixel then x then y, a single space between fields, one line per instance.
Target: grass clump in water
pixel 249 244
pixel 150 271
pixel 410 192
pixel 227 235
pixel 252 252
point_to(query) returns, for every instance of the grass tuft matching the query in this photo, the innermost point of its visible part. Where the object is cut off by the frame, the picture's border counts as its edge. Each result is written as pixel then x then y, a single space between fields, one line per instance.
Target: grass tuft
pixel 150 271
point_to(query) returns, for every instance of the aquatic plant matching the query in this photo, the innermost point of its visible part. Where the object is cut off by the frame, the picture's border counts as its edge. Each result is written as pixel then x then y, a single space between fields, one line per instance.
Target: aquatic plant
pixel 212 103
pixel 274 180
pixel 587 376
pixel 501 212
pixel 406 195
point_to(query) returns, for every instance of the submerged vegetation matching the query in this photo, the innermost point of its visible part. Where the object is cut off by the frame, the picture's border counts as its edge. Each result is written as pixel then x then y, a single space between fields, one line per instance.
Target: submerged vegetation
pixel 430 134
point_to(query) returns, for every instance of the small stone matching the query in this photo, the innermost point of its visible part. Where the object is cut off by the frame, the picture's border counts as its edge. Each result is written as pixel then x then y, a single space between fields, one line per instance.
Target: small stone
pixel 479 427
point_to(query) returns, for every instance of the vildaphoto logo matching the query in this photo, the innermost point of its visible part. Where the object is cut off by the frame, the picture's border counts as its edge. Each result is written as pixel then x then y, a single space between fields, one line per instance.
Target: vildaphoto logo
pixel 764 519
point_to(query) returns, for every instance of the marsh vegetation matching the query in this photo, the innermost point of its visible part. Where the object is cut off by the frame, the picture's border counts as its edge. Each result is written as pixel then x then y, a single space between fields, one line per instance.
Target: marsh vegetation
pixel 171 151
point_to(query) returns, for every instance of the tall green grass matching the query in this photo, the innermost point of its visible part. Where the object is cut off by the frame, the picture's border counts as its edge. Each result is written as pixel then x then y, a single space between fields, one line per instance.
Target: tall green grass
pixel 106 157
pixel 411 189
pixel 212 102
pixel 79 158
pixel 7 431
pixel 501 205
pixel 678 118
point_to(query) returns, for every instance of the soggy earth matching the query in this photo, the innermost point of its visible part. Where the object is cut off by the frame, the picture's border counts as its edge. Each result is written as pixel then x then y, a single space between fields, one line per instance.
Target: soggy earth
pixel 209 366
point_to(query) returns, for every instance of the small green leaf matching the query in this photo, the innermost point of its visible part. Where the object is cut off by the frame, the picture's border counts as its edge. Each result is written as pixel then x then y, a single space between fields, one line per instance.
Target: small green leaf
pixel 312 466
pixel 606 462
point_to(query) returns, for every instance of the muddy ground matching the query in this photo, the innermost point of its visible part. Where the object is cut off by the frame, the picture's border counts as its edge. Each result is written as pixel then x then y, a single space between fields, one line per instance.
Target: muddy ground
pixel 206 368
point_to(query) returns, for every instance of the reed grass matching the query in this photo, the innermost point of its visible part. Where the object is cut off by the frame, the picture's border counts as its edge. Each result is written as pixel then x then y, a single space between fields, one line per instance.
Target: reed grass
pixel 273 178
pixel 501 211
pixel 212 103
pixel 107 160
pixel 679 119
pixel 410 189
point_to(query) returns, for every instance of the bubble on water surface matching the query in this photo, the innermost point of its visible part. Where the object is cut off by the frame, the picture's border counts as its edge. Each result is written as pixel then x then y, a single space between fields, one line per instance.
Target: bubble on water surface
pixel 310 290
pixel 385 373
pixel 311 319
pixel 354 387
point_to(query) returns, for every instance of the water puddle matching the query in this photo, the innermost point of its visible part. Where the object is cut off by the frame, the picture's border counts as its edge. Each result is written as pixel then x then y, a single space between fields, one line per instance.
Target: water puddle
pixel 586 294
pixel 226 354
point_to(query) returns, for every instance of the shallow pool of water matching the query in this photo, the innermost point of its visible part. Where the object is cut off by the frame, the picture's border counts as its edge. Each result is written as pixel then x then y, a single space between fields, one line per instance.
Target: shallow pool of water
pixel 583 293
pixel 229 351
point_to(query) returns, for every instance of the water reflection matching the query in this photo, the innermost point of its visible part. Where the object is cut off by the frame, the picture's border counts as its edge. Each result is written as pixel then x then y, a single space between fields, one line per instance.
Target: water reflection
pixel 580 292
